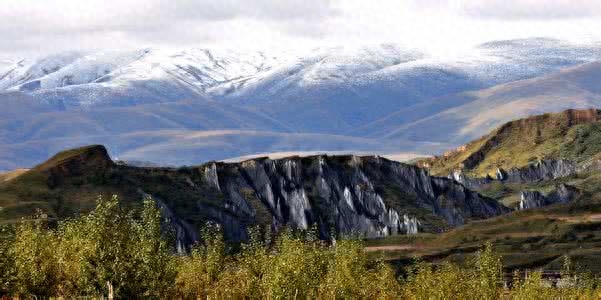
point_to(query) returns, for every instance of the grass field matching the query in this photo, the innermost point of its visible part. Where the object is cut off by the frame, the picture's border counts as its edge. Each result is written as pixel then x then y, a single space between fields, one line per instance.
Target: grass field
pixel 525 239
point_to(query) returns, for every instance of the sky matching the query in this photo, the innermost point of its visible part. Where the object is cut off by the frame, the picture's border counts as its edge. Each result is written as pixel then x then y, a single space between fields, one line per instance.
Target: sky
pixel 38 27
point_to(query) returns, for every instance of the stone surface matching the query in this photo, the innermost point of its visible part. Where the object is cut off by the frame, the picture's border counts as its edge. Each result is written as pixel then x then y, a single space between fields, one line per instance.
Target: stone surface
pixel 369 196
pixel 532 199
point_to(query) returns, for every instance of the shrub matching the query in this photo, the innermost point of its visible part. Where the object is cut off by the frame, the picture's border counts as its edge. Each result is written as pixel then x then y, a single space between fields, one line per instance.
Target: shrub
pixel 35 261
pixel 107 250
pixel 129 253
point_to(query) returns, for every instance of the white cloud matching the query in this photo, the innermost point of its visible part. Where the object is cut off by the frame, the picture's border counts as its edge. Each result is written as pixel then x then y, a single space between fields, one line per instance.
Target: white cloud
pixel 29 27
pixel 532 9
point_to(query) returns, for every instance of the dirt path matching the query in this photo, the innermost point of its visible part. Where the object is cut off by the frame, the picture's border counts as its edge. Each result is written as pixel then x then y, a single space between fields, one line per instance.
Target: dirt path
pixel 580 218
pixel 392 248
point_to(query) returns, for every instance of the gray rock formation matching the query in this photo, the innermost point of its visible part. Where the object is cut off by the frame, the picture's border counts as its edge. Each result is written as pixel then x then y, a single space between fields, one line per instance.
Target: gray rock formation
pixel 368 196
pixel 500 174
pixel 533 199
pixel 542 170
pixel 470 182
pixel 535 172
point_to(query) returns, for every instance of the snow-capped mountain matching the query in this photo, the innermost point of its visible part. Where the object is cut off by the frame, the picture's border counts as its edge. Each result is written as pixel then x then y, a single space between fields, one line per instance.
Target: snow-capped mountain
pixel 5 63
pixel 109 76
pixel 272 77
pixel 334 99
pixel 348 89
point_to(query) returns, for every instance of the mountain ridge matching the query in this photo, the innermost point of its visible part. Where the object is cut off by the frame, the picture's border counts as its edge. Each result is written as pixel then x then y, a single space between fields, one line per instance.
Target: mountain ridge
pixel 368 195
pixel 378 98
pixel 573 87
pixel 519 142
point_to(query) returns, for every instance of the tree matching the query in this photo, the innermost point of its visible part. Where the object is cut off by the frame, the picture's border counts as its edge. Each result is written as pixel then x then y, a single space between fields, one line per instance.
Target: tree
pixel 110 263
pixel 35 262
pixel 157 265
pixel 7 260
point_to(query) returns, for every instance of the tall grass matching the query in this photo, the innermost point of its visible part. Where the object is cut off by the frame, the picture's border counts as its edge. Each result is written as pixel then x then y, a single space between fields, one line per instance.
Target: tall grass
pixel 129 254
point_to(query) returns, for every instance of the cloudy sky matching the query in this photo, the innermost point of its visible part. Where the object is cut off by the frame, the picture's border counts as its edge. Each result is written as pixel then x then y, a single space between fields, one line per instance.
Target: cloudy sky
pixel 34 27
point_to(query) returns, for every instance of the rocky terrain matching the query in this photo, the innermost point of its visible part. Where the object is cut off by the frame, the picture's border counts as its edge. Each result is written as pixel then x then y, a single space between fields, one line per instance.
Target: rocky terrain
pixel 533 199
pixel 526 163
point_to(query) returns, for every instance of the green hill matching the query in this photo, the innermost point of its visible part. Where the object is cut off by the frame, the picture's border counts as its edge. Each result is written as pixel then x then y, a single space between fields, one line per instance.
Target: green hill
pixel 65 185
pixel 533 238
pixel 571 134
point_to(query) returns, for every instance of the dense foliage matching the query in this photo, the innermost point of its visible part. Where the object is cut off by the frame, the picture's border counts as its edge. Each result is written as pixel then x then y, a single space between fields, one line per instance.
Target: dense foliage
pixel 127 253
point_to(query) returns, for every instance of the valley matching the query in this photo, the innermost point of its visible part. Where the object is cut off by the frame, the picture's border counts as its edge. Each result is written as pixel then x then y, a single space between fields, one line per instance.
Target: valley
pixel 400 208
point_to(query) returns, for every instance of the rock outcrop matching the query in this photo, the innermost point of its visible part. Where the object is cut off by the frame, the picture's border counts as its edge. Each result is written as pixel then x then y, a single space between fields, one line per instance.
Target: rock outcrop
pixel 533 199
pixel 542 170
pixel 349 195
pixel 470 182
pixel 369 196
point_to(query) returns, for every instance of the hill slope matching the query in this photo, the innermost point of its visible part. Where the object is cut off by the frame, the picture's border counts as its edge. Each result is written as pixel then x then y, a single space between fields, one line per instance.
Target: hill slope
pixel 482 111
pixel 565 178
pixel 571 134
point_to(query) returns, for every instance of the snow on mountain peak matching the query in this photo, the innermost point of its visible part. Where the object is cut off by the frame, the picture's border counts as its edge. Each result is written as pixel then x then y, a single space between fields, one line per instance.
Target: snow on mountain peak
pixel 195 68
pixel 162 74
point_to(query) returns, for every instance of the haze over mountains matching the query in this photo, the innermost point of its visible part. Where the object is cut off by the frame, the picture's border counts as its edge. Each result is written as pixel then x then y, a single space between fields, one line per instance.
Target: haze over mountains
pixel 187 106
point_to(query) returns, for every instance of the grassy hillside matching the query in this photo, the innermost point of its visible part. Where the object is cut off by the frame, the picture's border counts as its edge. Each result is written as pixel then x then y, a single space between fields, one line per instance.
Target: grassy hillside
pixel 64 185
pixel 536 238
pixel 526 239
pixel 70 182
pixel 571 134
pixel 7 176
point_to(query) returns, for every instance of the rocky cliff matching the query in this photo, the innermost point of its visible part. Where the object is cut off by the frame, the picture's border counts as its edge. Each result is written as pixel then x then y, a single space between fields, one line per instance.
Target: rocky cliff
pixel 533 199
pixel 367 195
pixel 370 196
pixel 538 171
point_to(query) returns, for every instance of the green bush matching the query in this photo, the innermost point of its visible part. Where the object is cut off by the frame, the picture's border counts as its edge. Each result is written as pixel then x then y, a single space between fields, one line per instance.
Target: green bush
pixel 106 250
pixel 127 252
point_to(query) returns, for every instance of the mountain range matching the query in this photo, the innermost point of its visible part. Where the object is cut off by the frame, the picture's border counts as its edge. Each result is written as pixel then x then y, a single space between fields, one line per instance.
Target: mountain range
pixel 179 107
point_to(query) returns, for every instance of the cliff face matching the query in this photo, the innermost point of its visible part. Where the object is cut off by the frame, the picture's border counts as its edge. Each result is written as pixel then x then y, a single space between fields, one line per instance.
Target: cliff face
pixel 370 196
pixel 539 171
pixel 542 170
pixel 533 199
